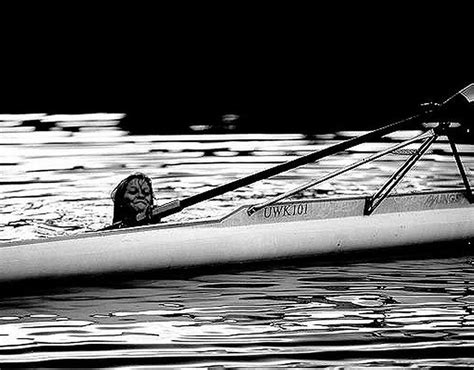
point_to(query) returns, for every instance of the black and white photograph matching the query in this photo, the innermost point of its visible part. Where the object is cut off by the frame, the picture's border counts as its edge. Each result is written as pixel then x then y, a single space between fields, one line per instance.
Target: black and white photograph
pixel 278 188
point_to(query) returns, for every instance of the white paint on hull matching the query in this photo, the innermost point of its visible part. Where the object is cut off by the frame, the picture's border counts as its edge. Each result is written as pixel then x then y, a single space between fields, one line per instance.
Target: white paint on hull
pixel 151 248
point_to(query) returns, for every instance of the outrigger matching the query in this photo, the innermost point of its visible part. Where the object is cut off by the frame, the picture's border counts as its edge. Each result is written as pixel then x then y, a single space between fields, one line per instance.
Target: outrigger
pixel 277 228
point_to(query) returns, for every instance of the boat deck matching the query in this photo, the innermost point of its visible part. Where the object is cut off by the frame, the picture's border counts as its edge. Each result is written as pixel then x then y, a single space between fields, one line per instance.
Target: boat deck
pixel 298 210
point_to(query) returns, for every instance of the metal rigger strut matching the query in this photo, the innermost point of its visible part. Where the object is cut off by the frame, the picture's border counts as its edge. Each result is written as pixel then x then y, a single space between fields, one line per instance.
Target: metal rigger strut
pixel 375 200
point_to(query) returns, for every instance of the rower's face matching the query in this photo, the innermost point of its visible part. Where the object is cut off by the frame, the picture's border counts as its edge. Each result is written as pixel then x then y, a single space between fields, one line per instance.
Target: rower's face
pixel 138 195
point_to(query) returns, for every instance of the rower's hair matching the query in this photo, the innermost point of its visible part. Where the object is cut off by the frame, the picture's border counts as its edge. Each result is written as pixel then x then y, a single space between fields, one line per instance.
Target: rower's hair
pixel 118 193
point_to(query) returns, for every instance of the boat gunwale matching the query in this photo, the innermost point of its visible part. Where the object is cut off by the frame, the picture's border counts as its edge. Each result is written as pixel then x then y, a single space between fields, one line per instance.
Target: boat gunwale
pixel 212 221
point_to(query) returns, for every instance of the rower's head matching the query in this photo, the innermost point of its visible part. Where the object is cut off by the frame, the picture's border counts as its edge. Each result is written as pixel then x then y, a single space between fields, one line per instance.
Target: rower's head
pixel 133 196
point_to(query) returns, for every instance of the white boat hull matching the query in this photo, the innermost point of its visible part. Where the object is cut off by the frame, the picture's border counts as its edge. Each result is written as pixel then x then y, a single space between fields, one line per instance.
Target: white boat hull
pixel 298 229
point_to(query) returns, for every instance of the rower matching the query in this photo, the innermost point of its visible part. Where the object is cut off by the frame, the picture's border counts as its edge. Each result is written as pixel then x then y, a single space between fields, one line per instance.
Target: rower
pixel 133 201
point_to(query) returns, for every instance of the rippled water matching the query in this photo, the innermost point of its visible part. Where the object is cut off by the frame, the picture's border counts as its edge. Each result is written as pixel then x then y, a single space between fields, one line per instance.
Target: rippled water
pixel 403 310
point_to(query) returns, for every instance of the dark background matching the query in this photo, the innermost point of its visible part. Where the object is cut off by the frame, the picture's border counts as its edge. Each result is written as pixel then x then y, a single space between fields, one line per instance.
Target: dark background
pixel 280 70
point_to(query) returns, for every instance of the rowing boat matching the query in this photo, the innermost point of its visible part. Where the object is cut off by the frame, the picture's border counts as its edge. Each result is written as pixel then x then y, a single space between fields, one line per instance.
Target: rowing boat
pixel 276 229
pixel 282 230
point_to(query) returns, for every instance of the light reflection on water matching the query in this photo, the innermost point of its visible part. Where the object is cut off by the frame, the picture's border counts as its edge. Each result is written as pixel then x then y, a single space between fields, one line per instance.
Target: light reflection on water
pixel 404 311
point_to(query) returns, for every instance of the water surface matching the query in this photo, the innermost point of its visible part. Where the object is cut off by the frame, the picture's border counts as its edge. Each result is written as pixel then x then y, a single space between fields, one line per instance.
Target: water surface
pixel 391 311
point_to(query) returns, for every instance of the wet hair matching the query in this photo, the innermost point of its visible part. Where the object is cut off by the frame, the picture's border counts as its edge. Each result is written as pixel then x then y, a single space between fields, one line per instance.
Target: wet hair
pixel 120 211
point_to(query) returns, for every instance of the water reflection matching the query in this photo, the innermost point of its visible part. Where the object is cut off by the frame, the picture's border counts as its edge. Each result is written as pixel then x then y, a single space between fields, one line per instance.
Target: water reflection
pixel 364 312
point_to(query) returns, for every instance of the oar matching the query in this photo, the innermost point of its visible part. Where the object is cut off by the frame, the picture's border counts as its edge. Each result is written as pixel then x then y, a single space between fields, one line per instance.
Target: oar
pixel 444 108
